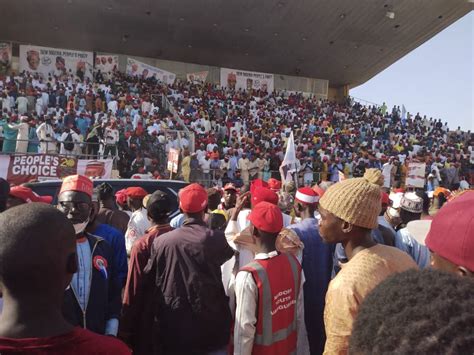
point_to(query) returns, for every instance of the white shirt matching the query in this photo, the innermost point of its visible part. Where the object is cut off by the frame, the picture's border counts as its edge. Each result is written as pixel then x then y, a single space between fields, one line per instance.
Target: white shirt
pixel 111 135
pixel 81 280
pixel 246 294
pixel 136 228
pixel 112 106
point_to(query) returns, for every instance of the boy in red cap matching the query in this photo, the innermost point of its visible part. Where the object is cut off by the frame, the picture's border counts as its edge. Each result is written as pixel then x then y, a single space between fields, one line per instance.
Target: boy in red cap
pixel 139 222
pixel 92 299
pixel 192 311
pixel 451 236
pixel 267 291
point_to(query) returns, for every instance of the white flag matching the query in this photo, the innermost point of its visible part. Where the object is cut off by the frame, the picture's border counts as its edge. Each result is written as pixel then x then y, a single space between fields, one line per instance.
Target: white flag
pixel 290 165
pixel 404 112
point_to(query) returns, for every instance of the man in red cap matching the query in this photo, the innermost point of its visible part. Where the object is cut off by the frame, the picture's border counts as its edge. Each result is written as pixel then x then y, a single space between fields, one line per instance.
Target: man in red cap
pixel 192 311
pixel 139 222
pixel 317 266
pixel 267 291
pixel 92 299
pixel 451 236
pixel 21 194
pixel 230 197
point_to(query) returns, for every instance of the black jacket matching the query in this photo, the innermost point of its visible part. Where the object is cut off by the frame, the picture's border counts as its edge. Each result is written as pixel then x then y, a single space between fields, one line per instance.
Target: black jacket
pixel 105 294
pixel 192 314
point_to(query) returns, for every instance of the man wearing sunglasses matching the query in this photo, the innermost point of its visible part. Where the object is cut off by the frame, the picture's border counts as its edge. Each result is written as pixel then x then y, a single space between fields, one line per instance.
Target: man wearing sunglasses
pixel 92 299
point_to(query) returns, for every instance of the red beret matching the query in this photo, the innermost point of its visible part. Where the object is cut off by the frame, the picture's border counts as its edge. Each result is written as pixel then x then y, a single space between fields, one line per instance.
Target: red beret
pixel 452 231
pixel 306 195
pixel 121 197
pixel 261 194
pixel 193 198
pixel 136 192
pixel 266 217
pixel 79 183
pixel 256 184
pixel 274 184
pixel 28 195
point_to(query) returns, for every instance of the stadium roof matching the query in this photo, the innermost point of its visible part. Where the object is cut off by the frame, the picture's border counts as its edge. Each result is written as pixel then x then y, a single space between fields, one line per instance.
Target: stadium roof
pixel 344 41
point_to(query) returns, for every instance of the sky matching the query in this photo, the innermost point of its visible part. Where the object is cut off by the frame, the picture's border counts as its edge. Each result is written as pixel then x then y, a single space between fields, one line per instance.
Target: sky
pixel 436 79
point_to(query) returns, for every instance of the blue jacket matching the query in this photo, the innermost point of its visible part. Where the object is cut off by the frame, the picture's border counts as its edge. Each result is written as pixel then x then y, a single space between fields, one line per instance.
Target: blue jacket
pixel 117 241
pixel 105 293
pixel 317 268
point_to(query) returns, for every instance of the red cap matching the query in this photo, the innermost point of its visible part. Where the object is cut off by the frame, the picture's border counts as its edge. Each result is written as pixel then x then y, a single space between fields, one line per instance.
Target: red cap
pixel 230 186
pixel 274 184
pixel 121 197
pixel 385 198
pixel 261 194
pixel 266 217
pixel 28 195
pixel 452 231
pixel 319 191
pixel 78 183
pixel 256 184
pixel 193 198
pixel 306 195
pixel 136 192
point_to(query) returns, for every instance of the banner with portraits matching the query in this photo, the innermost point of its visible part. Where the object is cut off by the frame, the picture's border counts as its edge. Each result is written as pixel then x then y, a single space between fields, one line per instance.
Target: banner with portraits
pixel 106 63
pixel 197 77
pixel 416 175
pixel 5 57
pixel 146 71
pixel 246 80
pixel 95 169
pixel 56 62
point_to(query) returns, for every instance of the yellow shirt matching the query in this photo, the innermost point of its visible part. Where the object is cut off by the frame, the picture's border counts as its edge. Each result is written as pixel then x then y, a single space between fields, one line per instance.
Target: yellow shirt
pixel 351 285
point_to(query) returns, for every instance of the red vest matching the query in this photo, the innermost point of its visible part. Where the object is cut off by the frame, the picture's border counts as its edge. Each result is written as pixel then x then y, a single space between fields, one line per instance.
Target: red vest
pixel 278 280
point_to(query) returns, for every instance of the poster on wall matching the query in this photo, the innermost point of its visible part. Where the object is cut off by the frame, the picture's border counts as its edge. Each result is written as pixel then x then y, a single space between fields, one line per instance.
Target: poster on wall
pixel 56 62
pixel 246 80
pixel 137 68
pixel 197 77
pixel 21 168
pixel 106 63
pixel 416 175
pixel 173 160
pixel 5 57
pixel 95 169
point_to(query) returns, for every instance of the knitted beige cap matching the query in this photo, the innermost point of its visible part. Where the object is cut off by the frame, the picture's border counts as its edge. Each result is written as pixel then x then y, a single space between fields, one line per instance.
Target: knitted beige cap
pixel 357 201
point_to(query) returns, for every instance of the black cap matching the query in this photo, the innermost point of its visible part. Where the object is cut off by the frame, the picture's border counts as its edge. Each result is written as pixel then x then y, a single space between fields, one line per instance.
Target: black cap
pixel 159 197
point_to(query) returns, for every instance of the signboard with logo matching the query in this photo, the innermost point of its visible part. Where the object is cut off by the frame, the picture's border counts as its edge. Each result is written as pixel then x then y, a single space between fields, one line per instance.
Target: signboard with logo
pixel 22 168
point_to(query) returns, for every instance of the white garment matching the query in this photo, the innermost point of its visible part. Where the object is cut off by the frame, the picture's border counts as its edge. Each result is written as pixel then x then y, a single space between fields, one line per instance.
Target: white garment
pixel 81 280
pixel 246 292
pixel 387 173
pixel 112 106
pixel 22 103
pixel 136 228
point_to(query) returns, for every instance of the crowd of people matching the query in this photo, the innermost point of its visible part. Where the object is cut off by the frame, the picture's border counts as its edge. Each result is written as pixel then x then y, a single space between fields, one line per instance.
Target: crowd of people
pixel 251 264
pixel 273 270
pixel 238 135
